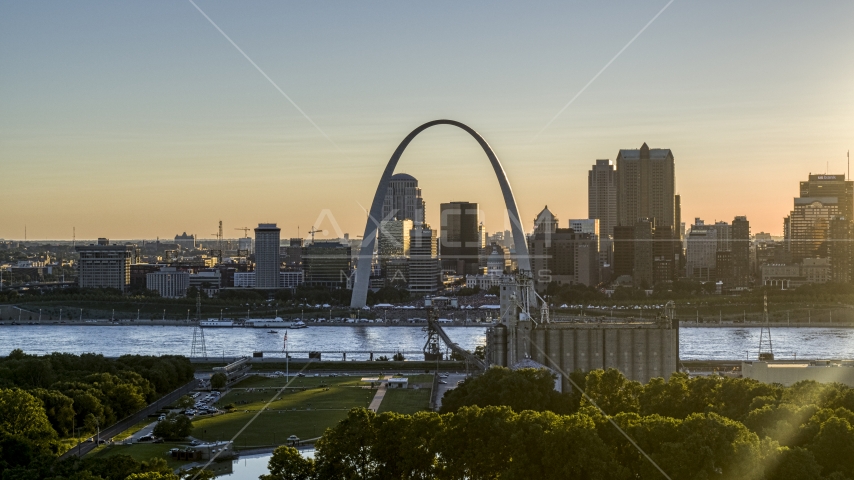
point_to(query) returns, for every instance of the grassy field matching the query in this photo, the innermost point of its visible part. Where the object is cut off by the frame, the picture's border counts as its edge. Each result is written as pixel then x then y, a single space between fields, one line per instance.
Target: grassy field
pixel 306 408
pixel 142 452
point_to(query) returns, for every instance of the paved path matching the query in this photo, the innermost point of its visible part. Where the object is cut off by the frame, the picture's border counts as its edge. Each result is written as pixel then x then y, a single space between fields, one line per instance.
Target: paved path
pixel 378 397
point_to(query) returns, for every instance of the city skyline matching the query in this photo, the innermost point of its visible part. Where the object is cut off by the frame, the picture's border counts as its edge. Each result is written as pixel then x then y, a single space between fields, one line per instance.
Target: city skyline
pixel 143 121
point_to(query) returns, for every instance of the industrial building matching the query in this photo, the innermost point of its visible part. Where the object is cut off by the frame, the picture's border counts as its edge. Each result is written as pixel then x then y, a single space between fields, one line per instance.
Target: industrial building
pixel 640 350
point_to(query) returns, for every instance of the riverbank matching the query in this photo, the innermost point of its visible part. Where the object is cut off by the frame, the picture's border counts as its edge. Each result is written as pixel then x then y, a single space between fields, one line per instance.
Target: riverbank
pixel 193 323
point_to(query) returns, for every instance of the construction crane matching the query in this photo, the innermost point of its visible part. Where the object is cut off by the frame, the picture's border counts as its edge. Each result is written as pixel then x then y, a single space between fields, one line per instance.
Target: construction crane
pixel 245 231
pixel 218 251
pixel 312 232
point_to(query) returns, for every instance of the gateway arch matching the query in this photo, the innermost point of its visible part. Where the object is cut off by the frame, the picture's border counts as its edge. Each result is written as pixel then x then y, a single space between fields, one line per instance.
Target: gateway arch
pixel 369 240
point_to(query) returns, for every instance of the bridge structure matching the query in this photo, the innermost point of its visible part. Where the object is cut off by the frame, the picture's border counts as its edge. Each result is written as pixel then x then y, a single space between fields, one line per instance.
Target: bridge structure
pixel 369 239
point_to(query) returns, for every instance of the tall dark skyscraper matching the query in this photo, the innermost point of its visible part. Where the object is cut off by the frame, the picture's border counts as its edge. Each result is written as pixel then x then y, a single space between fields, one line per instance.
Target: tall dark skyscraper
pixel 403 200
pixel 267 255
pixel 741 251
pixel 646 186
pixel 602 196
pixel 460 241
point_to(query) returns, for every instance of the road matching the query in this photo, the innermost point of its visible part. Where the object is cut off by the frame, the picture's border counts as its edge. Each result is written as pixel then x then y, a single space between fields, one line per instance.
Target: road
pixel 122 425
pixel 452 380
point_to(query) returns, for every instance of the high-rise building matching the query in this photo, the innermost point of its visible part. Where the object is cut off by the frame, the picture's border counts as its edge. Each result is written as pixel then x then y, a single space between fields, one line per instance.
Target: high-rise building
pixel 393 240
pixel 565 257
pixel 646 186
pixel 403 199
pixel 292 257
pixel 546 221
pixel 327 264
pixel 267 255
pixel 724 236
pixel 602 203
pixel 837 186
pixel 104 265
pixel 424 271
pixel 624 251
pixel 701 252
pixel 840 249
pixel 168 282
pixel 741 251
pixel 643 273
pixel 809 227
pixel 665 255
pixel 460 241
pixel 593 227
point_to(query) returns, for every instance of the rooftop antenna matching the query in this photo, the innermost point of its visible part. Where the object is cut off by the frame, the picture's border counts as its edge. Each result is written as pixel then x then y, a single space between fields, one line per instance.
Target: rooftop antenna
pixel 73 237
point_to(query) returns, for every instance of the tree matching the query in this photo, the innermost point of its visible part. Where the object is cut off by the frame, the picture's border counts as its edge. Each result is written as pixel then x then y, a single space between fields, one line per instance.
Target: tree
pixel 344 451
pixel 833 445
pixel 185 402
pixel 58 408
pixel 218 380
pixel 398 357
pixel 287 464
pixel 174 427
pixel 523 389
pixel 612 391
pixel 23 414
pixel 152 476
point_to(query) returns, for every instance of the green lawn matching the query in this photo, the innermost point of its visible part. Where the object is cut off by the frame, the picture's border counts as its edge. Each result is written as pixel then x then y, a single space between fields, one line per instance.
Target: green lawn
pixel 141 452
pixel 406 401
pixel 306 408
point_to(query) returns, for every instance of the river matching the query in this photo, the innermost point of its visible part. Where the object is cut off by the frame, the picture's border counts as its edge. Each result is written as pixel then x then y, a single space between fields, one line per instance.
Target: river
pixel 725 343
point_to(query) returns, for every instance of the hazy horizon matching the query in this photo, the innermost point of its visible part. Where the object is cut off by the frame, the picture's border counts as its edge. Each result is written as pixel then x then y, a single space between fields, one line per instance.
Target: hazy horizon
pixel 139 120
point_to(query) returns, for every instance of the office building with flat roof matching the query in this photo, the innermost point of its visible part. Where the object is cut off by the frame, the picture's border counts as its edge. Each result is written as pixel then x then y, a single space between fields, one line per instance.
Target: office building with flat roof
pixel 267 256
pixel 104 265
pixel 424 271
pixel 169 282
pixel 327 264
pixel 460 241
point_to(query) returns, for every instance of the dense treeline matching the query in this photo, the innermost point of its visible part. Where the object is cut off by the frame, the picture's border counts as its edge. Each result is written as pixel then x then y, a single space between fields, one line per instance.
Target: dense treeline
pixel 513 425
pixel 116 467
pixel 46 398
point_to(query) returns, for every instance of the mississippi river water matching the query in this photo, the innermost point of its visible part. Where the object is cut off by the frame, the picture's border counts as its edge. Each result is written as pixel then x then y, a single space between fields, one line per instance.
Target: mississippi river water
pixel 725 343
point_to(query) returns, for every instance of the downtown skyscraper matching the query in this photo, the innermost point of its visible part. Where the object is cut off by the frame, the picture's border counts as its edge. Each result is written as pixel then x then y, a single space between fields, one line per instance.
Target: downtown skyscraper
pixel 403 200
pixel 267 256
pixel 646 186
